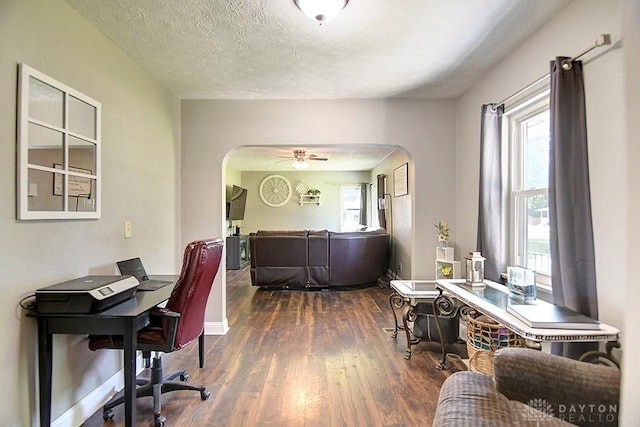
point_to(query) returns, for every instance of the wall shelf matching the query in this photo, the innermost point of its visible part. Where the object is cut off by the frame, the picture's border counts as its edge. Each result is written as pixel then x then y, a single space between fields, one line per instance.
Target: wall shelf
pixel 310 199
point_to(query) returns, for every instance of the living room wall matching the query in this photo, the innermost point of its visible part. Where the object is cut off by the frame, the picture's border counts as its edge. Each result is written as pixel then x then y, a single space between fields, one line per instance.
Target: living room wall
pixel 570 32
pixel 630 13
pixel 140 164
pixel 425 129
pixel 399 215
pixel 293 216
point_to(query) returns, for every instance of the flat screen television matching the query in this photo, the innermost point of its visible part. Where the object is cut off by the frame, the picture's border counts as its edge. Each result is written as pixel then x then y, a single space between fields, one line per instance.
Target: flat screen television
pixel 236 203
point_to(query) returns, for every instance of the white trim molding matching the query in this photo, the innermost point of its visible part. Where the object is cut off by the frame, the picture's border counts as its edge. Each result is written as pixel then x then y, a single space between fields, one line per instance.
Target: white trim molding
pixel 93 402
pixel 216 328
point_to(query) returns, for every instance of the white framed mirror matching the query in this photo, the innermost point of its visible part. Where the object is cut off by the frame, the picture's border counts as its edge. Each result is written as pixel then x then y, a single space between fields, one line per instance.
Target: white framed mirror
pixel 58 150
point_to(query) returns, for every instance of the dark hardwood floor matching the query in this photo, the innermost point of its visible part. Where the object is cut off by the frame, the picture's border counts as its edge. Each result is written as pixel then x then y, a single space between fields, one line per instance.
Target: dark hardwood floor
pixel 302 358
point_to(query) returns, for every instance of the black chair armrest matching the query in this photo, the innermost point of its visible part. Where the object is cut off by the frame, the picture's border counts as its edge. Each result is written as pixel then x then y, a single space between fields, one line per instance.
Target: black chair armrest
pixel 167 320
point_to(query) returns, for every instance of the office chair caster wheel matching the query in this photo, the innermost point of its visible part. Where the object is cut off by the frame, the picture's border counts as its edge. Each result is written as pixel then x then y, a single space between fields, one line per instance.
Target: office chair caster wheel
pixel 159 421
pixel 184 377
pixel 204 395
pixel 107 415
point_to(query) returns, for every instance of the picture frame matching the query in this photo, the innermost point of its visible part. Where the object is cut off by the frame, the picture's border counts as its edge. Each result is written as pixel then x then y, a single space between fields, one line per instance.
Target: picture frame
pixel 78 186
pixel 447 269
pixel 401 180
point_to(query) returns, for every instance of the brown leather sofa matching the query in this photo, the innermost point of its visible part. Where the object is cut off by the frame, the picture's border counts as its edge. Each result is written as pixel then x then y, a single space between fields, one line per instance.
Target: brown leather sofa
pixel 317 259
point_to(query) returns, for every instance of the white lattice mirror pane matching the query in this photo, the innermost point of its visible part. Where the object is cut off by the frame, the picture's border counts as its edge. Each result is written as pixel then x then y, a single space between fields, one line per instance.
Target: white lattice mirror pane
pixel 82 118
pixel 46 103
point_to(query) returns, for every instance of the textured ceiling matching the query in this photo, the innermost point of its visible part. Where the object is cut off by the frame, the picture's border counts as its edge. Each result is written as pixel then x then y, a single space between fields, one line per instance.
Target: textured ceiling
pixel 340 158
pixel 268 49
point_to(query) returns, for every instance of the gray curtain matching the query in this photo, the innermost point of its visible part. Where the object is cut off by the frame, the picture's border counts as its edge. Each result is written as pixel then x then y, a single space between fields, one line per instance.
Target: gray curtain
pixel 364 203
pixel 490 241
pixel 572 253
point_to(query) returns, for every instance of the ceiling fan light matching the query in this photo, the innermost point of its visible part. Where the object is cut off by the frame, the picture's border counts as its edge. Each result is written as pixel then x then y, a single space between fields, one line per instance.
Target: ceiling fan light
pixel 321 10
pixel 300 164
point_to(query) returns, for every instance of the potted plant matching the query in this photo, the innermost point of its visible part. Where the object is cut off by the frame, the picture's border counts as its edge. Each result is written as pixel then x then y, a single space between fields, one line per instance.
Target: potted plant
pixel 443 232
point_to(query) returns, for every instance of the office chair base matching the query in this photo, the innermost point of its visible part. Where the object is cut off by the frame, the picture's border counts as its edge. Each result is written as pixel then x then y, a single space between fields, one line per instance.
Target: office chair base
pixel 158 420
pixel 154 387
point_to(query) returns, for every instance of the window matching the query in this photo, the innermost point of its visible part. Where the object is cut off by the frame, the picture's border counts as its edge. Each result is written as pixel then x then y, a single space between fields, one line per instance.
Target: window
pixel 528 130
pixel 58 150
pixel 349 207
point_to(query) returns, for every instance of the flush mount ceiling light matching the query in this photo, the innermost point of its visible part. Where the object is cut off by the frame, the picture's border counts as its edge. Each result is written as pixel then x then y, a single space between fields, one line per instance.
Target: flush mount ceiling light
pixel 321 10
pixel 300 160
pixel 300 164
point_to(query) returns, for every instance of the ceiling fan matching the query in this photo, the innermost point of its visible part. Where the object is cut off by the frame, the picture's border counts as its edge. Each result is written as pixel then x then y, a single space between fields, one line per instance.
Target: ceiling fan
pixel 300 158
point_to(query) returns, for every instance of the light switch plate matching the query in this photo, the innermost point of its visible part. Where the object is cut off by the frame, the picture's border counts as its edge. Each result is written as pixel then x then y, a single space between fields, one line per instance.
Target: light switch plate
pixel 128 230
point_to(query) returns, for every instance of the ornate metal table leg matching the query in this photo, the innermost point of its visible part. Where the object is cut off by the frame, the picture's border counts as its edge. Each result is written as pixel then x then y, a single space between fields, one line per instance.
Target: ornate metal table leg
pixel 436 315
pixel 409 315
pixel 443 305
pixel 396 301
pixel 600 358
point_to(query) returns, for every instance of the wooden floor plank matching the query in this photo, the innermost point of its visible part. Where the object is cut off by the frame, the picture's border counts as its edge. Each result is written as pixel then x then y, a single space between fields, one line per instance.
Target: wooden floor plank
pixel 302 358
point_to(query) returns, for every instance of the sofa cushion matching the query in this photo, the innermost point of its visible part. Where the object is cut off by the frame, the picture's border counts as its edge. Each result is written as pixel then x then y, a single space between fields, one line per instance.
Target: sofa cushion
pixel 358 257
pixel 471 399
pixel 279 258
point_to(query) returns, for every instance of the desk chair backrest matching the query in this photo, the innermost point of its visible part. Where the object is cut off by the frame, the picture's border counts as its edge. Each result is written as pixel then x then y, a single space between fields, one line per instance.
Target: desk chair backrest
pixel 189 296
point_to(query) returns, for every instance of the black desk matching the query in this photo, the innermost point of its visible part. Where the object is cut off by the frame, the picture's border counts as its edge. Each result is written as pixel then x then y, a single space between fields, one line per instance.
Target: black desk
pixel 124 319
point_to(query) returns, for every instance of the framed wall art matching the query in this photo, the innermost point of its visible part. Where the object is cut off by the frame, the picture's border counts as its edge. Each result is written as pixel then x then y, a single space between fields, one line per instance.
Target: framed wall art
pixel 401 180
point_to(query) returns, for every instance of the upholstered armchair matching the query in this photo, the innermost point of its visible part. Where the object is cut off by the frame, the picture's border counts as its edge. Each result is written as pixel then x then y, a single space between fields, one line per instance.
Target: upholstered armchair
pixel 531 388
pixel 173 327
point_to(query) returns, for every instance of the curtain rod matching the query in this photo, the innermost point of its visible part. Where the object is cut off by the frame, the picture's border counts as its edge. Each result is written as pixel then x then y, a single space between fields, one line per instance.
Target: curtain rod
pixel 604 39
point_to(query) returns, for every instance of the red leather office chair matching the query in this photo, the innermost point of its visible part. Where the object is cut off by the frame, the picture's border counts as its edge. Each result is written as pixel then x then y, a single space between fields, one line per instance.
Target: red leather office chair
pixel 172 327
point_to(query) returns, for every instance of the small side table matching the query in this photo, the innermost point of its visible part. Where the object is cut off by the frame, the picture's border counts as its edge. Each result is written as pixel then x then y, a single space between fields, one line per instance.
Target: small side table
pixel 407 294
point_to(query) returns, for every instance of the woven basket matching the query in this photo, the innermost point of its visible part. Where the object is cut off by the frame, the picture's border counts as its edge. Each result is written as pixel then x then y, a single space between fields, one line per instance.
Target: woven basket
pixel 485 335
pixel 482 361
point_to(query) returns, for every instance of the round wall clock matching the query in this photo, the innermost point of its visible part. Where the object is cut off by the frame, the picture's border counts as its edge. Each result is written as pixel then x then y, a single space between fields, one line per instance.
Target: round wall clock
pixel 275 190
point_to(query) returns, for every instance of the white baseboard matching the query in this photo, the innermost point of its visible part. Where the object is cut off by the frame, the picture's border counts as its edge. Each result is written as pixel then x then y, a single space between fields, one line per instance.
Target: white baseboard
pixel 91 403
pixel 216 328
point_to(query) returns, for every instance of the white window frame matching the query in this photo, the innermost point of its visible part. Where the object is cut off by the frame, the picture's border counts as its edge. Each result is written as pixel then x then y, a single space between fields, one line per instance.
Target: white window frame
pixel 528 106
pixel 343 209
pixel 374 220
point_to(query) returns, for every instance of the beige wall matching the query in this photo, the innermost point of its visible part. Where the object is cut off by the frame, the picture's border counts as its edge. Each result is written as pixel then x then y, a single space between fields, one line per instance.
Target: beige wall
pixel 399 216
pixel 144 182
pixel 630 12
pixel 140 158
pixel 425 129
pixel 570 32
pixel 293 216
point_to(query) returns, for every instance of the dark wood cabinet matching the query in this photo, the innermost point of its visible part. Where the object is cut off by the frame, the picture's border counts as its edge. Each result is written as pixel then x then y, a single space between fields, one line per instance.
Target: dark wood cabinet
pixel 237 252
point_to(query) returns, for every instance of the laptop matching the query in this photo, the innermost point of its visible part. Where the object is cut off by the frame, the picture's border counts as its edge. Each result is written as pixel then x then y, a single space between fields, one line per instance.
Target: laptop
pixel 133 267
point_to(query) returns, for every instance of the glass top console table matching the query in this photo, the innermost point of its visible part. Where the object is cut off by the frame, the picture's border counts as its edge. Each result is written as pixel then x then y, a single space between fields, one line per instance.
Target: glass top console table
pixel 492 299
pixel 412 297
